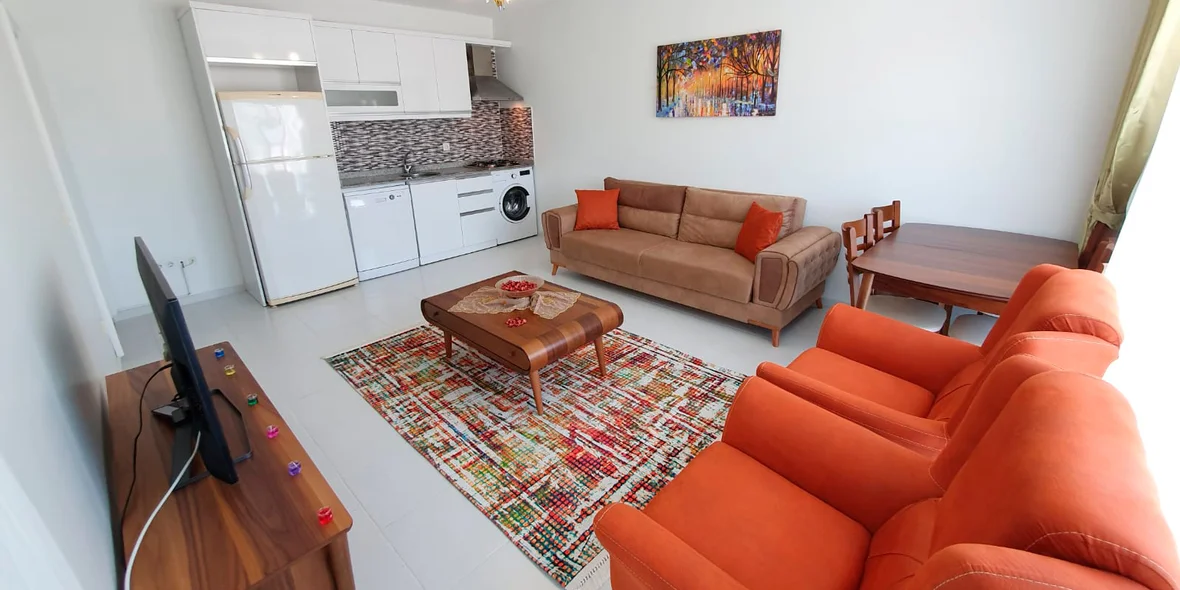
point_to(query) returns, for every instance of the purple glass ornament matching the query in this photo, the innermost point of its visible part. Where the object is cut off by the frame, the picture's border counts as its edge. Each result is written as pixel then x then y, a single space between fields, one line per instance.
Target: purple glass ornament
pixel 294 467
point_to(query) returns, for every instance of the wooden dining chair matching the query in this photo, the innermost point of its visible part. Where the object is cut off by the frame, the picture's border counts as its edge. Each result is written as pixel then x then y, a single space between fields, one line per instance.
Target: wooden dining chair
pixel 888 220
pixel 859 236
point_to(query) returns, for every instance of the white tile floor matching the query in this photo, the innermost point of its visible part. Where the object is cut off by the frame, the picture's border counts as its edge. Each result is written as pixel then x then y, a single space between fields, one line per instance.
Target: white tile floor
pixel 412 529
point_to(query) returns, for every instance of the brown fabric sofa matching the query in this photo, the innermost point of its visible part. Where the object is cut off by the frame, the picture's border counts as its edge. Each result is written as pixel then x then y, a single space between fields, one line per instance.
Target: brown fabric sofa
pixel 676 243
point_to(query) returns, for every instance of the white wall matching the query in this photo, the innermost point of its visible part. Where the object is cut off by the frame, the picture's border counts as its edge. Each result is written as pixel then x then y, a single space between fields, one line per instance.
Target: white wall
pixel 55 353
pixel 116 79
pixel 986 113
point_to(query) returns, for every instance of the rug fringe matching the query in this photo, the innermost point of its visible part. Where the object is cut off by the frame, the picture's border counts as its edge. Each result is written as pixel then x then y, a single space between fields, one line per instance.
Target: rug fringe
pixel 595 576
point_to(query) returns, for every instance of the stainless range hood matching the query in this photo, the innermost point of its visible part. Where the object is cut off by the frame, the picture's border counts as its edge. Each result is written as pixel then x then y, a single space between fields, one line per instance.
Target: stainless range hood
pixel 484 83
pixel 491 88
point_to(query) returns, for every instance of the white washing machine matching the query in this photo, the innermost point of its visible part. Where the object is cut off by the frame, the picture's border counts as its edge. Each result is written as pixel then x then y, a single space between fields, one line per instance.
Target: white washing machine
pixel 517 204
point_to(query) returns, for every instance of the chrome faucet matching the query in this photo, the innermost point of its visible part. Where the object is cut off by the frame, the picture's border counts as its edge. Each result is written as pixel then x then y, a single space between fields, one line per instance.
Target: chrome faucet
pixel 407 167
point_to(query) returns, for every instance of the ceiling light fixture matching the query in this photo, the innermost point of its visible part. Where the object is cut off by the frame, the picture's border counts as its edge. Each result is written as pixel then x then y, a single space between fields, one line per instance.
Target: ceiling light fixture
pixel 499 3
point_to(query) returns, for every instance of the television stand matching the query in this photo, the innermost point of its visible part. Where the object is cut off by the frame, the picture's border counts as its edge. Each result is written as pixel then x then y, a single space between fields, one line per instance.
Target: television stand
pixel 177 413
pixel 261 533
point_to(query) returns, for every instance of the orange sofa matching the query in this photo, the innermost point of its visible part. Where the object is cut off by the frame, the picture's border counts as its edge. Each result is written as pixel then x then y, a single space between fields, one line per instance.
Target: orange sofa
pixel 913 386
pixel 1053 493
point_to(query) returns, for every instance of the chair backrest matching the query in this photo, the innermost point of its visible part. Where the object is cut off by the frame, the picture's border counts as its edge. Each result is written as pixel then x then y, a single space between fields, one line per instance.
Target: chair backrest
pixel 858 236
pixel 1052 298
pixel 888 220
pixel 1062 473
pixel 1024 356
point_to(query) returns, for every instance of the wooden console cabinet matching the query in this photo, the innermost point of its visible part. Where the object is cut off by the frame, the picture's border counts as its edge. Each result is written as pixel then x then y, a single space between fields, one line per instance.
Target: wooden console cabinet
pixel 261 533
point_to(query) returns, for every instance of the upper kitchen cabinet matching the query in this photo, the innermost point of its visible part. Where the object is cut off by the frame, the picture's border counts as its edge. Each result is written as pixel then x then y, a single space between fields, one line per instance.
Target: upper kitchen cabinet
pixel 376 57
pixel 337 58
pixel 415 56
pixel 453 81
pixel 352 56
pixel 230 34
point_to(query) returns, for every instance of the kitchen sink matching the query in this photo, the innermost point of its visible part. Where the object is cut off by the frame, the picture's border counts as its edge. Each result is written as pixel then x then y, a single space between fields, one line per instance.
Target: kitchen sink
pixel 415 175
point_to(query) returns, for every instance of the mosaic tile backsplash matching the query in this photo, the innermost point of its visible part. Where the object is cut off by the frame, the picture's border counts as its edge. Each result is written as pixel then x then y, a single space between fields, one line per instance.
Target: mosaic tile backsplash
pixel 490 133
pixel 517 131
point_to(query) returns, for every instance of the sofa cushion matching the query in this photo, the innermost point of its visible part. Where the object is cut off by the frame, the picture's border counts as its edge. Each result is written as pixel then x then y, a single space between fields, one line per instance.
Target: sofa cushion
pixel 760 528
pixel 715 217
pixel 617 249
pixel 863 381
pixel 648 207
pixel 713 271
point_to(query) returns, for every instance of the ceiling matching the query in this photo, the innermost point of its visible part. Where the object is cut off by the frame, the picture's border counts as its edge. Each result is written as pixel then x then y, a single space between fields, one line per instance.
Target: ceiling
pixel 476 7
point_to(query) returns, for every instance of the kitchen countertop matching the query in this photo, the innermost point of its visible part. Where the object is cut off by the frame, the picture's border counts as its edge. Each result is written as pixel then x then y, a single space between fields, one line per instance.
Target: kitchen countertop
pixel 352 180
pixel 395 176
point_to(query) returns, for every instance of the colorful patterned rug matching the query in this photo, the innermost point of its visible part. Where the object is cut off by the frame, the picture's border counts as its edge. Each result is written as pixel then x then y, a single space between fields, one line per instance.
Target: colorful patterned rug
pixel 542 478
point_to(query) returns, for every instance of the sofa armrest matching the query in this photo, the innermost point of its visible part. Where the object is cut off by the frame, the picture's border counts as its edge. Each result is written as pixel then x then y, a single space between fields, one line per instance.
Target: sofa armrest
pixel 654 556
pixel 863 475
pixel 924 436
pixel 794 265
pixel 558 222
pixel 921 357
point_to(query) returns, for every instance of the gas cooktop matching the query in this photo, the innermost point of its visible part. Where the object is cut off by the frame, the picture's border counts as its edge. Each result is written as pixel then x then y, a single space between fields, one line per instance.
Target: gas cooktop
pixel 494 164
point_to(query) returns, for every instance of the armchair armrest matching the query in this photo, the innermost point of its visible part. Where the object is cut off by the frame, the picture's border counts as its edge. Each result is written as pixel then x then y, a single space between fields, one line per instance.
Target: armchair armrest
pixel 558 222
pixel 924 436
pixel 793 266
pixel 857 472
pixel 654 556
pixel 924 358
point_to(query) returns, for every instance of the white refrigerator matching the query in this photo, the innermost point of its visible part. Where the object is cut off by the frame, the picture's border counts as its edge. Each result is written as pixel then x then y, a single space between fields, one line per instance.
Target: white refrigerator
pixel 281 147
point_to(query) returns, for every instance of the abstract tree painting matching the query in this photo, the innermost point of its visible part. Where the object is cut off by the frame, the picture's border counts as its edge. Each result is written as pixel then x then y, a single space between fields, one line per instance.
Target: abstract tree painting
pixel 724 77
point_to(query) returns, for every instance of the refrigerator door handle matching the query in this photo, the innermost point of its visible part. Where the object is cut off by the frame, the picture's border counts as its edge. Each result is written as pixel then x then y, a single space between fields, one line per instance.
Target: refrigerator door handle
pixel 246 184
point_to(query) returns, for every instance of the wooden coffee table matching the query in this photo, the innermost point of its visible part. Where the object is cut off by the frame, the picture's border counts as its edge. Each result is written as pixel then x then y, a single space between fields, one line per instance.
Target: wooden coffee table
pixel 527 348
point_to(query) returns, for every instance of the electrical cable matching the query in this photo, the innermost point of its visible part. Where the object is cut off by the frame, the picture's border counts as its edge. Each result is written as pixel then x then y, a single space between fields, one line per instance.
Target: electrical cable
pixel 135 446
pixel 146 525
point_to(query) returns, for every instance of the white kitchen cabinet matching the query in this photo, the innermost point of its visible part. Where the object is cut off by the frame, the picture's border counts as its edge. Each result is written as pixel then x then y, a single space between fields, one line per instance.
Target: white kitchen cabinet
pixel 453 81
pixel 415 55
pixel 376 57
pixel 480 227
pixel 249 37
pixel 337 58
pixel 436 217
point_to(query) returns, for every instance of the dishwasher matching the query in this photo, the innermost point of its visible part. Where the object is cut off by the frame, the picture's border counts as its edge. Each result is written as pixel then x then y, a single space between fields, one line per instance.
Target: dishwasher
pixel 381 219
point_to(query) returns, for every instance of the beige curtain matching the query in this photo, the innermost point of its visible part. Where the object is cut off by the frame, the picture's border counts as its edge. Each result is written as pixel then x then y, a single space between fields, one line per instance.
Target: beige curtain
pixel 1153 72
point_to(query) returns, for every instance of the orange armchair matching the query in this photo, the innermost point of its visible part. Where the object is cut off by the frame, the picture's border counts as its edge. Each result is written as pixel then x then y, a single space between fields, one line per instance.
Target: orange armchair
pixel 796 497
pixel 910 385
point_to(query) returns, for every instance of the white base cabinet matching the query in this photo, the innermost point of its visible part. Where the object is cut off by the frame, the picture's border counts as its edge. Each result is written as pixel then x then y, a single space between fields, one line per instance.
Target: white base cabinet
pixel 436 217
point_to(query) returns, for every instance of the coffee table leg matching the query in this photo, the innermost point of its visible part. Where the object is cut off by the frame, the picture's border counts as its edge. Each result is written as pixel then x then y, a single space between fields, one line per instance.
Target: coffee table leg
pixel 535 378
pixel 447 343
pixel 601 357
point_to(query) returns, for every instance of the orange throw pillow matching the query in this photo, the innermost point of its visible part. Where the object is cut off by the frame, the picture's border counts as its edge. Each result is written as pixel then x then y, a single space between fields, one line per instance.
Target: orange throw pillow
pixel 759 231
pixel 597 210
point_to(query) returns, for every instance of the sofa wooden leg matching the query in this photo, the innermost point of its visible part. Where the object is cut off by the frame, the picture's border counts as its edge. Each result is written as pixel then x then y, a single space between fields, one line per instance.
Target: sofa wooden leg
pixel 819 303
pixel 555 267
pixel 774 332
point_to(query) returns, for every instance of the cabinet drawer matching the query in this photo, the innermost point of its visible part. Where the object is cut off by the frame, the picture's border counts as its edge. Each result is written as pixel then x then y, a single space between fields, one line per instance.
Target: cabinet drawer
pixel 479 226
pixel 480 198
pixel 471 185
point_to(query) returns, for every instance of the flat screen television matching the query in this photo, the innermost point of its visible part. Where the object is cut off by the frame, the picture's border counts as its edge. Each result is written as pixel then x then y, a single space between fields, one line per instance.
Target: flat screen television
pixel 191 410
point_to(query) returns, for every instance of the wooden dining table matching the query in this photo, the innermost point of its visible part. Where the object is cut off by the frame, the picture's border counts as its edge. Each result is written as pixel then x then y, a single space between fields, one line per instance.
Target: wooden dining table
pixel 961 266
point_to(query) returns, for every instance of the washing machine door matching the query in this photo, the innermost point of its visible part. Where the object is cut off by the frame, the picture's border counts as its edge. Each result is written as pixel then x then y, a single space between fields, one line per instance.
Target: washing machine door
pixel 515 204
